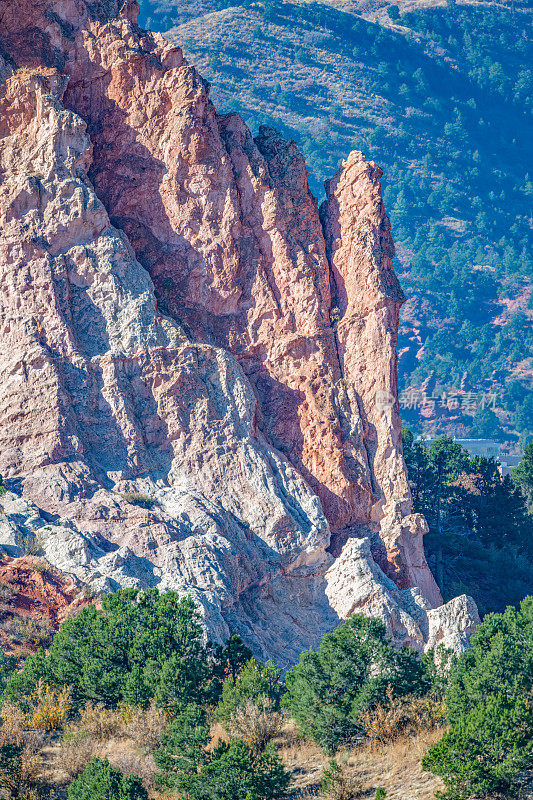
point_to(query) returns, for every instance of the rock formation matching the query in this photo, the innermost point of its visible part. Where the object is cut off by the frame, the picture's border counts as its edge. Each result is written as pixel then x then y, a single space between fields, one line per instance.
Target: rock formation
pixel 179 321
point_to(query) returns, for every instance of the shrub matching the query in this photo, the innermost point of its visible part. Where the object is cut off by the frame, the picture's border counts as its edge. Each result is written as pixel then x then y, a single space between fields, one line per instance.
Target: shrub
pixel 144 726
pixel 28 631
pixel 99 781
pixel 50 708
pixel 6 592
pixel 11 770
pixel 183 747
pixel 485 749
pixel 231 772
pixel 255 725
pixel 87 592
pixel 76 752
pixel 30 544
pixel 406 716
pixel 138 499
pixel 142 765
pixel 235 773
pixel 338 785
pixel 12 724
pixel 99 722
pixel 500 658
pixel 97 725
pixel 249 704
pixel 139 645
pixel 393 12
pixel 351 672
pixel 19 757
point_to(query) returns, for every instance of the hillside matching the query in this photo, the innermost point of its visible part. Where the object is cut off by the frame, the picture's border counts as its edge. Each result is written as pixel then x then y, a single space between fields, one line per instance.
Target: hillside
pixel 213 581
pixel 440 97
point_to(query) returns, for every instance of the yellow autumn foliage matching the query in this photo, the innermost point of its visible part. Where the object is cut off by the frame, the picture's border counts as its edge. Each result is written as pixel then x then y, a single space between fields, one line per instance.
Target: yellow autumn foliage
pixel 406 716
pixel 50 708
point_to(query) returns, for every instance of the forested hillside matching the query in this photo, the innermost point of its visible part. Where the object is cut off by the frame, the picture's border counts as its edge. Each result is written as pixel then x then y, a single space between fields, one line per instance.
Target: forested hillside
pixel 440 97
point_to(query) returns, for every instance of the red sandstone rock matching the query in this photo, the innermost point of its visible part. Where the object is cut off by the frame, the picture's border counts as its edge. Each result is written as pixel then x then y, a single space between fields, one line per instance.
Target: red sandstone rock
pixel 34 590
pixel 260 375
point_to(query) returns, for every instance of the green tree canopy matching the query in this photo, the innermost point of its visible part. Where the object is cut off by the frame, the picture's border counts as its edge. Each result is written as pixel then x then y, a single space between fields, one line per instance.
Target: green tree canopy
pixel 231 657
pixel 490 708
pixel 99 781
pixel 350 672
pixel 432 471
pixel 486 424
pixel 235 773
pixel 393 12
pixel 183 747
pixel 483 752
pixel 523 474
pixel 231 772
pixel 500 658
pixel 258 684
pixel 481 535
pixel 139 645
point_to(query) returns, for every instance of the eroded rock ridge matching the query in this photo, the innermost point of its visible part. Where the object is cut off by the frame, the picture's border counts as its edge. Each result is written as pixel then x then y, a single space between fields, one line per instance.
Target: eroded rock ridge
pixel 198 365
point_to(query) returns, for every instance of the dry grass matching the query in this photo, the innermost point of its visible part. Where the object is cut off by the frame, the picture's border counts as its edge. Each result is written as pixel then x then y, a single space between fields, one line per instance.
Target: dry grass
pixel 20 780
pixel 12 724
pixel 27 631
pixel 394 765
pixel 144 727
pixel 50 708
pixel 98 722
pixel 218 734
pixel 75 755
pixel 125 756
pixel 406 716
pixel 68 759
pixel 127 737
pixel 303 758
pixel 255 725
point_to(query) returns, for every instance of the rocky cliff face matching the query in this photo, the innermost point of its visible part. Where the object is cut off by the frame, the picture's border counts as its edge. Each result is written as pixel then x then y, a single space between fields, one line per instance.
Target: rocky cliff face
pixel 177 319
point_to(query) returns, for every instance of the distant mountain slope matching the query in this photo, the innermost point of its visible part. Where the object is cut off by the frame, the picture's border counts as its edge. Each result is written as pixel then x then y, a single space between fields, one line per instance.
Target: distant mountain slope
pixel 440 98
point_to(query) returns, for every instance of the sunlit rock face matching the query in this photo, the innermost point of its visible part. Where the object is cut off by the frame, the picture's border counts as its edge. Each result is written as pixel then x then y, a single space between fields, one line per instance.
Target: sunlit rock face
pixel 179 320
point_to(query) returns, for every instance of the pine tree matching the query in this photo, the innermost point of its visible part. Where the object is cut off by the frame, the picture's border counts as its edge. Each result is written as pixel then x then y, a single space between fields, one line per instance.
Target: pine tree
pixel 99 781
pixel 523 474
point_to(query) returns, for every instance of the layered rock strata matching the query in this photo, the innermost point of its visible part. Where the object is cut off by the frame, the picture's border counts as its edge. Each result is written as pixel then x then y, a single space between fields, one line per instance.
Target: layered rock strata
pixel 178 320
